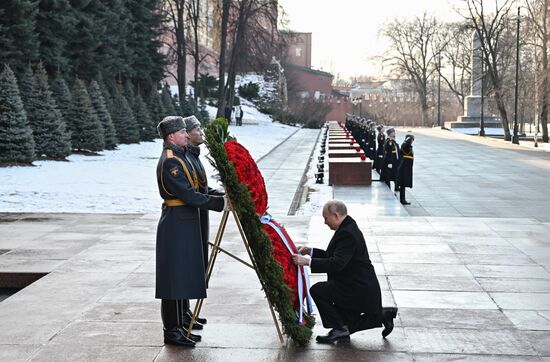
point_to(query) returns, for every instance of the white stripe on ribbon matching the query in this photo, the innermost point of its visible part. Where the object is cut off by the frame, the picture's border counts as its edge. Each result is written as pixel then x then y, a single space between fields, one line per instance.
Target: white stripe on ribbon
pixel 266 220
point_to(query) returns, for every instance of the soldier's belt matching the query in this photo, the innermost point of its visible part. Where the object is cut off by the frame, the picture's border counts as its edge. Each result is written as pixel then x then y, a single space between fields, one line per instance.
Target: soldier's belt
pixel 174 202
pixel 409 157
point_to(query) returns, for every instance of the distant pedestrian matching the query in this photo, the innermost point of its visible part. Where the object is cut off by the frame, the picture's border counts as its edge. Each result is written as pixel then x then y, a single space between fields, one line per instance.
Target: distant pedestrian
pixel 227 113
pixel 239 115
pixel 405 170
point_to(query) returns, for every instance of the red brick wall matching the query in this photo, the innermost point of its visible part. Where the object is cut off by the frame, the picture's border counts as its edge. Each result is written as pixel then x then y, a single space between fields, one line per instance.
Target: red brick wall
pixel 302 80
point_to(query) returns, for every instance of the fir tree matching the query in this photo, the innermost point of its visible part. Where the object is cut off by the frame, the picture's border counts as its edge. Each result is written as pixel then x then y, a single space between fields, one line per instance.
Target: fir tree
pixel 62 96
pixel 51 137
pixel 98 102
pixel 107 96
pixel 156 109
pixel 123 118
pixel 18 41
pixel 143 119
pixel 129 93
pixel 166 98
pixel 176 104
pixel 186 108
pixel 87 132
pixel 203 116
pixel 192 107
pixel 16 141
pixel 27 85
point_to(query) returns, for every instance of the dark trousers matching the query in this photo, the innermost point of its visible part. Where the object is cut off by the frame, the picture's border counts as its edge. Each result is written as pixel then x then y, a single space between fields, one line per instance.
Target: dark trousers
pixel 174 313
pixel 395 187
pixel 336 312
pixel 239 121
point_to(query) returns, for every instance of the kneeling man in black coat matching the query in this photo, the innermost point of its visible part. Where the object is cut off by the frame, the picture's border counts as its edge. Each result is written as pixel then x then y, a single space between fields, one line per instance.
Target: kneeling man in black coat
pixel 350 300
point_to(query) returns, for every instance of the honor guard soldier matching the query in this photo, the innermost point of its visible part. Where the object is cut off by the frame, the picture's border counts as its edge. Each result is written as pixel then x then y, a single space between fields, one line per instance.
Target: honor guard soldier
pixel 391 159
pixel 405 170
pixel 179 253
pixel 196 138
pixel 380 139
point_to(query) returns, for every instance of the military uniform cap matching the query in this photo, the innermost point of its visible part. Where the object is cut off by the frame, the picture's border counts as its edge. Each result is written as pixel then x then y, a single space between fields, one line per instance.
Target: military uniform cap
pixel 191 122
pixel 390 130
pixel 169 125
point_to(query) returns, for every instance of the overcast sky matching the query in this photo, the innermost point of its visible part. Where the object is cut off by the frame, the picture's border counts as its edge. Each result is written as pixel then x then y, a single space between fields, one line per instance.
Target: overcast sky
pixel 345 32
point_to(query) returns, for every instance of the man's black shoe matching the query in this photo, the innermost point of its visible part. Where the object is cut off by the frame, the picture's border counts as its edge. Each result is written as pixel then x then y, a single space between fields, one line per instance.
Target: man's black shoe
pixel 200 320
pixel 193 337
pixel 405 202
pixel 176 337
pixel 334 335
pixel 388 314
pixel 196 326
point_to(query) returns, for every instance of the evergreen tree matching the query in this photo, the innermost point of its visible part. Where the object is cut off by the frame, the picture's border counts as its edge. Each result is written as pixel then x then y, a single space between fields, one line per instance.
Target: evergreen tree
pixel 107 95
pixel 129 93
pixel 87 132
pixel 192 107
pixel 18 42
pixel 55 25
pixel 186 108
pixel 156 109
pixel 27 85
pixel 143 119
pixel 51 137
pixel 62 96
pixel 203 116
pixel 166 98
pixel 123 118
pixel 176 104
pixel 98 102
pixel 16 141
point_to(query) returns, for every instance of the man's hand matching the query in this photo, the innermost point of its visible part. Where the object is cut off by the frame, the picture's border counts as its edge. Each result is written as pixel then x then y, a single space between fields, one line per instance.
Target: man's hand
pixel 390 165
pixel 301 260
pixel 304 250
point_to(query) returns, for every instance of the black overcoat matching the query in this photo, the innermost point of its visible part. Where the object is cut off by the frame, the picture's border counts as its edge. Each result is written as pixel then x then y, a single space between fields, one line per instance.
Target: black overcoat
pixel 379 161
pixel 405 169
pixel 179 255
pixel 351 276
pixel 391 157
pixel 194 156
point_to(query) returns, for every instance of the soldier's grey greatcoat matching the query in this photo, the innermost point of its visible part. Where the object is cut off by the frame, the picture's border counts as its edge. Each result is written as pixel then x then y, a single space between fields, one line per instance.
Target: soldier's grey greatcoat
pixel 179 254
pixel 194 153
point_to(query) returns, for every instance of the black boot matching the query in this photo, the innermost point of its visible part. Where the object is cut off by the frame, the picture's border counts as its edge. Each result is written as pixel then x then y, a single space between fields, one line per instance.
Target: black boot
pixel 173 334
pixel 402 196
pixel 388 315
pixel 176 337
pixel 183 307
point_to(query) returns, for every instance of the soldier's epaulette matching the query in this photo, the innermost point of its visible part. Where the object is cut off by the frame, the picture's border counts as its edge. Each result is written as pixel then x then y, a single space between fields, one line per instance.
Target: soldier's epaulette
pixel 169 153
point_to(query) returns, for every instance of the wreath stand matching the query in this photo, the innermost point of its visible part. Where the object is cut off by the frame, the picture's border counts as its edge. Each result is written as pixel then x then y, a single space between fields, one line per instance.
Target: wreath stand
pixel 216 249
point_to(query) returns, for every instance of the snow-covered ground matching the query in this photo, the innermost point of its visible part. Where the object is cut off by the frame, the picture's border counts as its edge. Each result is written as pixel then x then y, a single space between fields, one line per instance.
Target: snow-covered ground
pixel 120 181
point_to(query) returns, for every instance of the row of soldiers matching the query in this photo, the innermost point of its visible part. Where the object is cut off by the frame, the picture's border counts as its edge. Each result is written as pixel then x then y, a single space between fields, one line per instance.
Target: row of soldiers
pixel 393 163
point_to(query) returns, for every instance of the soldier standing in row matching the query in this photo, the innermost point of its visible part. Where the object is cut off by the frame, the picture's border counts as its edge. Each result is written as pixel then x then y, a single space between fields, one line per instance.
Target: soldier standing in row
pixel 196 138
pixel 179 251
pixel 405 170
pixel 380 139
pixel 391 159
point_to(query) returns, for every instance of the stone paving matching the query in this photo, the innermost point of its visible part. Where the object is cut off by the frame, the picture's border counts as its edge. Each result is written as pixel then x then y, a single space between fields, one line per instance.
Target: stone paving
pixel 468 287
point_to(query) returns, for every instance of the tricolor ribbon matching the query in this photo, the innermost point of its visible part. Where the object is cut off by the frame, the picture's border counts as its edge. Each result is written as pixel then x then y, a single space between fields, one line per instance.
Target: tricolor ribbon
pixel 303 275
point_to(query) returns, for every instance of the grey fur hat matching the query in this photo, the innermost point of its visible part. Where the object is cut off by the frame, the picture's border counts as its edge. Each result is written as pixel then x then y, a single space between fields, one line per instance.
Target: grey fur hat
pixel 191 122
pixel 390 130
pixel 169 125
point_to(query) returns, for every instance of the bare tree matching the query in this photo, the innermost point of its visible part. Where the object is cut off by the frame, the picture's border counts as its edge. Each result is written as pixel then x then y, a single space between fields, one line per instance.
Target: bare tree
pixel 194 10
pixel 413 54
pixel 539 15
pixel 456 55
pixel 174 14
pixel 494 31
pixel 226 7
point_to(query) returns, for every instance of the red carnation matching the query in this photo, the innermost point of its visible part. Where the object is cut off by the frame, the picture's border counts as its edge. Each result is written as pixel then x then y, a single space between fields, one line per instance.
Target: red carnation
pixel 363 157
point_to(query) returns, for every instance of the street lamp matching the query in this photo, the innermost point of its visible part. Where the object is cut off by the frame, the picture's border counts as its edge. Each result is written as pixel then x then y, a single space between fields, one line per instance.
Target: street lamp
pixel 439 123
pixel 482 122
pixel 515 138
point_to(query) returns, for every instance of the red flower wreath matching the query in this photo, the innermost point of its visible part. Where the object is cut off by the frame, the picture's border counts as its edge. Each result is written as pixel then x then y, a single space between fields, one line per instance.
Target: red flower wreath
pixel 249 175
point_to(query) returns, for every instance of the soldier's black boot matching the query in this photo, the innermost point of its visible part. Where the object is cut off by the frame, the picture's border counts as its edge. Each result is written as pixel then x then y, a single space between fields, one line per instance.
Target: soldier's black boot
pixel 173 334
pixel 183 322
pixel 190 314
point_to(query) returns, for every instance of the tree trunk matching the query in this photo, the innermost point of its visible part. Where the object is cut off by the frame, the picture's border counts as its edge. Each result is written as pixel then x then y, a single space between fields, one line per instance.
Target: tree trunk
pixel 503 114
pixel 223 49
pixel 545 90
pixel 235 52
pixel 180 49
pixel 197 52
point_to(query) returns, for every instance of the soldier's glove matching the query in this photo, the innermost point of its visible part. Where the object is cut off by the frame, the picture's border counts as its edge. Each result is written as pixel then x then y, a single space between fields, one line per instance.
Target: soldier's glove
pixel 390 166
